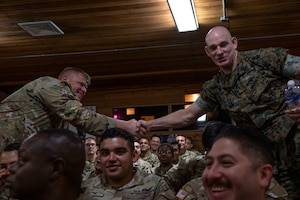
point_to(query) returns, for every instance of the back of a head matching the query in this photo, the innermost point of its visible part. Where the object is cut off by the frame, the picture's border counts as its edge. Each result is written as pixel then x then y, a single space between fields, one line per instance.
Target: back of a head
pixel 211 131
pixel 117 132
pixel 252 143
pixel 65 145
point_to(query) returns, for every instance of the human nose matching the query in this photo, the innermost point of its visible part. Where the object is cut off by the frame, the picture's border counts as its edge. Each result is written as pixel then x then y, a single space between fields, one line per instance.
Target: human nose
pixel 213 172
pixel 219 50
pixel 112 156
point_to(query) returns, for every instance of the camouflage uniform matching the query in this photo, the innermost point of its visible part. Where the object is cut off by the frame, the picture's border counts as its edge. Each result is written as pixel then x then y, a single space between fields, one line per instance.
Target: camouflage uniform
pixel 187 155
pixel 160 171
pixel 88 168
pixel 152 159
pixel 4 194
pixel 194 190
pixel 143 165
pixel 253 95
pixel 184 171
pixel 45 103
pixel 142 186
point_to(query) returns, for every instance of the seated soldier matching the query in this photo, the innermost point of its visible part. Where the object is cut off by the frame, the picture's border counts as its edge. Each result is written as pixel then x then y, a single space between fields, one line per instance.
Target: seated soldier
pixel 120 180
pixel 194 189
pixel 49 166
pixel 8 157
pixel 165 155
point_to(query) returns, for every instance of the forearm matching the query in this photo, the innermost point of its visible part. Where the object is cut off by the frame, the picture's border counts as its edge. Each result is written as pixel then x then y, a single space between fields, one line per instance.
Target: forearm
pixel 178 119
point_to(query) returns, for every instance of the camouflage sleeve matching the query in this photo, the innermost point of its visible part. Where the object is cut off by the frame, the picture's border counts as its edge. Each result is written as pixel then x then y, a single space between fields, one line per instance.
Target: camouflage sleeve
pixel 59 99
pixel 291 66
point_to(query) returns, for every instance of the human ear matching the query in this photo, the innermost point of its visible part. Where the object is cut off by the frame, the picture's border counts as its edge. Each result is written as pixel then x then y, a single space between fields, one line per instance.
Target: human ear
pixel 207 51
pixel 135 156
pixel 265 175
pixel 58 167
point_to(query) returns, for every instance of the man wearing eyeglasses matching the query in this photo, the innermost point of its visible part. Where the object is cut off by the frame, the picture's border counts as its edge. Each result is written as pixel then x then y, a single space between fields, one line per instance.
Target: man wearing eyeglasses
pixel 90 155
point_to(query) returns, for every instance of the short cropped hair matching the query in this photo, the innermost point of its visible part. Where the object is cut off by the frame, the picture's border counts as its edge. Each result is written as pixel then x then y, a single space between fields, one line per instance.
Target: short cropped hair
pixel 75 69
pixel 252 143
pixel 12 147
pixel 117 132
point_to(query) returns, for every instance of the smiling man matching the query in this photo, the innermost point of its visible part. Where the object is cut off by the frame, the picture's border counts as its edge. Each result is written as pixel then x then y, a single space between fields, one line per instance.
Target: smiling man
pixel 120 180
pixel 239 166
pixel 48 103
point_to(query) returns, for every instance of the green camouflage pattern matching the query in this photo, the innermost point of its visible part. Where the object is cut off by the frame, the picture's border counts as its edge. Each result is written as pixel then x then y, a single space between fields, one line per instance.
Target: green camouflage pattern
pixel 46 103
pixel 253 95
pixel 142 186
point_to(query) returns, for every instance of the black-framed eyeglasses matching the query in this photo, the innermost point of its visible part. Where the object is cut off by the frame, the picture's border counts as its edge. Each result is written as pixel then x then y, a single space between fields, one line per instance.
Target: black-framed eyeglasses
pixel 90 144
pixel 164 152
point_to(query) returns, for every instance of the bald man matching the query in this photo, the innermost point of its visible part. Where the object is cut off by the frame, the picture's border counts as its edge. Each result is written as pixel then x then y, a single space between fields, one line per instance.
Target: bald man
pixel 249 87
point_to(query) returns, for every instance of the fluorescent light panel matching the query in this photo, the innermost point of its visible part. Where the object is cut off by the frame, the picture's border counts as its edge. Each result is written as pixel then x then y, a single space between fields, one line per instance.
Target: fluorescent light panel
pixel 184 14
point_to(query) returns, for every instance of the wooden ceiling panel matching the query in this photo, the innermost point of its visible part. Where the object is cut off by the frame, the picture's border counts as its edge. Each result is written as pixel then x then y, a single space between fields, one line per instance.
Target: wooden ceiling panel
pixel 134 42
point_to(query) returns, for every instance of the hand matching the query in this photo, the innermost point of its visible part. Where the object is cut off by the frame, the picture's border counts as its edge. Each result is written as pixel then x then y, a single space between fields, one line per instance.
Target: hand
pixel 132 128
pixel 142 127
pixel 294 113
pixel 3 175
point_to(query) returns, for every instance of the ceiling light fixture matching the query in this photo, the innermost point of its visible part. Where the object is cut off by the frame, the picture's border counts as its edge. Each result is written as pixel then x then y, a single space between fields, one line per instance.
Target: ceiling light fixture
pixel 184 14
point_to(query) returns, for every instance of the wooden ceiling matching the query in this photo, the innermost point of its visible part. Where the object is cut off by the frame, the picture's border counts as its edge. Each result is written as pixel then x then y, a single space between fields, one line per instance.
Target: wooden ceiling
pixel 133 43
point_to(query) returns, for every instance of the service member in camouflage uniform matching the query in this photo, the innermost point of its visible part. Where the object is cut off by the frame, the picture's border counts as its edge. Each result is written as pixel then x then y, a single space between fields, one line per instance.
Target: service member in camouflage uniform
pixel 184 154
pixel 146 154
pixel 249 87
pixel 165 153
pixel 120 180
pixel 239 165
pixel 8 157
pixel 140 163
pixel 194 189
pixel 47 103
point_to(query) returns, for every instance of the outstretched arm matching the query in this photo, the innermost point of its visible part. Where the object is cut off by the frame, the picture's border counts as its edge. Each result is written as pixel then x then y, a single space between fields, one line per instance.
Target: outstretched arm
pixel 178 119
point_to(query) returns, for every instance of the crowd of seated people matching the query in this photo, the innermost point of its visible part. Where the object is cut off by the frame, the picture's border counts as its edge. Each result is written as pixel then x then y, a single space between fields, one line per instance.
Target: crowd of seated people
pixel 117 170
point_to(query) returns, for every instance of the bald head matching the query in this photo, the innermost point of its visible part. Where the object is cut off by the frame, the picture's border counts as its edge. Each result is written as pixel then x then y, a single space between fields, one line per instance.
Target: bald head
pixel 221 47
pixel 216 32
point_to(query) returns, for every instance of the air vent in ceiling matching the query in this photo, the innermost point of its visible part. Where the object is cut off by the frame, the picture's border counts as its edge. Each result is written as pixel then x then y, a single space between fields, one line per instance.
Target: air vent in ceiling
pixel 41 28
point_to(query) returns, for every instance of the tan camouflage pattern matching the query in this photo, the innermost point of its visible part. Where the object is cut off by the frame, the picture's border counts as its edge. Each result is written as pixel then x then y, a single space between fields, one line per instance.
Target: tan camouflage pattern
pixel 253 95
pixel 46 103
pixel 160 171
pixel 152 159
pixel 143 165
pixel 192 190
pixel 4 195
pixel 143 186
pixel 187 155
pixel 184 171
